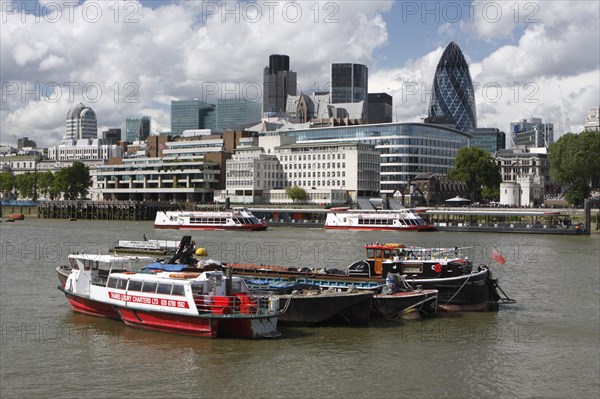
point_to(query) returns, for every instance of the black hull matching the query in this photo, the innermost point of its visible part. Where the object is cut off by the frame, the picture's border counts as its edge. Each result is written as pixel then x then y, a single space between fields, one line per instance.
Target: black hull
pixel 471 292
pixel 393 306
pixel 311 309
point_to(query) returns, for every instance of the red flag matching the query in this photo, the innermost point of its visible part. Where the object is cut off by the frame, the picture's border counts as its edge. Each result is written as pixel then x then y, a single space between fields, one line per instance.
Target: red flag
pixel 498 257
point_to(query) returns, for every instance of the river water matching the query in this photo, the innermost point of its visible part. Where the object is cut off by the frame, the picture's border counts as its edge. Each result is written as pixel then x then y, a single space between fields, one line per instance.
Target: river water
pixel 547 345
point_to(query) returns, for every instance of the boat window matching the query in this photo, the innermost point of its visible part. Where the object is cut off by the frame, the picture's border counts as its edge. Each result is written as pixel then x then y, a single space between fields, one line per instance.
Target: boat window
pixel 149 286
pixel 387 254
pixel 74 264
pixel 370 253
pixel 86 264
pixel 134 285
pixel 95 265
pixel 164 288
pixel 112 282
pixel 178 290
pixel 121 284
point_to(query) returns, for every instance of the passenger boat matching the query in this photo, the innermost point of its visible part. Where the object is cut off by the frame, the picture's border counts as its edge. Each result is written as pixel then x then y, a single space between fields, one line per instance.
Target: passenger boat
pixel 234 219
pixel 93 269
pixel 161 298
pixel 460 287
pixel 401 219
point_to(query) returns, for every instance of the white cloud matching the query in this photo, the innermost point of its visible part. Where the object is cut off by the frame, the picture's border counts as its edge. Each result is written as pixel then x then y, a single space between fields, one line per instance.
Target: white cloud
pixel 174 51
pixel 169 52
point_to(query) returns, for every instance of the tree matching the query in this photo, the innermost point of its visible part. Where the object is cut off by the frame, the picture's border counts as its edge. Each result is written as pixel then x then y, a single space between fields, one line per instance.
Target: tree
pixel 478 169
pixel 574 161
pixel 7 183
pixel 24 183
pixel 73 181
pixel 46 185
pixel 296 193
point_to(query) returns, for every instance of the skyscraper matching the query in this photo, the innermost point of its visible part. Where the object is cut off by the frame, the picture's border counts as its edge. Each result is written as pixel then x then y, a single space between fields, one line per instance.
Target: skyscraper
pixel 453 95
pixel 278 83
pixel 81 124
pixel 192 114
pixel 137 128
pixel 350 84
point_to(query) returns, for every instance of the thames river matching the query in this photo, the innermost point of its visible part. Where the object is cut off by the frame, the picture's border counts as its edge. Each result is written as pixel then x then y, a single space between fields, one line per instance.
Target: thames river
pixel 547 345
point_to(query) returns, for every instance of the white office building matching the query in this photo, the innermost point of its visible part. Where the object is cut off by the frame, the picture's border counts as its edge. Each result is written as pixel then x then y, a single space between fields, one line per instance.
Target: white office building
pixel 81 124
pixel 331 173
pixel 84 149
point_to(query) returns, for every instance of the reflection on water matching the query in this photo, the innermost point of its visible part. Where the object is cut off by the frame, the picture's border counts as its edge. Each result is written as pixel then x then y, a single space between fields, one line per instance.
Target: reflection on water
pixel 546 345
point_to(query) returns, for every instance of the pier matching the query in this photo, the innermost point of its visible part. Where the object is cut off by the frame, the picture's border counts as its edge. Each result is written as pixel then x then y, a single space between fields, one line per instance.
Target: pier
pixel 103 210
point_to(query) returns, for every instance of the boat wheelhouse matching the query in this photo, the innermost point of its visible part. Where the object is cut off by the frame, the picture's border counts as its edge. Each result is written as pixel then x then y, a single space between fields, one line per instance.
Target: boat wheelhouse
pixel 401 219
pixel 235 219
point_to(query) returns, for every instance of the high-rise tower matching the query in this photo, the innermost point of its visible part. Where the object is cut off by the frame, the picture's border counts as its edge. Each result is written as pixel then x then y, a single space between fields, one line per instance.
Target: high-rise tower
pixel 81 124
pixel 278 83
pixel 350 84
pixel 453 95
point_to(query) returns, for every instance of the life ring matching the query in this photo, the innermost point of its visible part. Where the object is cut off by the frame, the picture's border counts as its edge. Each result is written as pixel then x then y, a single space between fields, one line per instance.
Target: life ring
pixel 437 268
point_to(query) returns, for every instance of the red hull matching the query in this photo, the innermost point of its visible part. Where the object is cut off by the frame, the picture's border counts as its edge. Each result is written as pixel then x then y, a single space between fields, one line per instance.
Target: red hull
pixel 165 322
pixel 253 227
pixel 426 227
pixel 90 307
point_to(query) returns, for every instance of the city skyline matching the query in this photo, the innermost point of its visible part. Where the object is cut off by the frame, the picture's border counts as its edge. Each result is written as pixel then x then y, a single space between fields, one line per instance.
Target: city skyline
pixel 527 59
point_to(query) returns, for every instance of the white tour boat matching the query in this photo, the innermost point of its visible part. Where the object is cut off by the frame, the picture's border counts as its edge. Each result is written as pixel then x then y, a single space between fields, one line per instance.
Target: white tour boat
pixel 234 219
pixel 351 219
pixel 206 304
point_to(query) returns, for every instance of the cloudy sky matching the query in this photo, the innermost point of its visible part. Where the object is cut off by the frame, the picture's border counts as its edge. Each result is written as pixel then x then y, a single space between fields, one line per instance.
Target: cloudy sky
pixel 527 59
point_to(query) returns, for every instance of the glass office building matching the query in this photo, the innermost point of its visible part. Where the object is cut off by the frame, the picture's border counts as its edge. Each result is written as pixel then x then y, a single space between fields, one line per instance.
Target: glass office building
pixel 191 115
pixel 452 94
pixel 407 149
pixel 349 83
pixel 278 83
pixel 137 128
pixel 231 113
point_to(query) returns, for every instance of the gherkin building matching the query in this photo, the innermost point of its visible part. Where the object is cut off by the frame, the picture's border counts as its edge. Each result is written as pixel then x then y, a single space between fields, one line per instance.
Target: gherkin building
pixel 453 95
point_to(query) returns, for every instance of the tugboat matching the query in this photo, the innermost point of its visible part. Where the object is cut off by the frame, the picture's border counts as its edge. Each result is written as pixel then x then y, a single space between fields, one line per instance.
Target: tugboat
pixel 459 286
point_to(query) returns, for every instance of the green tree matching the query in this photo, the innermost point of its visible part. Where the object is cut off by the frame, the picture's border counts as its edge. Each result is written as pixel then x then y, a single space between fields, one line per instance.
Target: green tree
pixel 574 160
pixel 296 193
pixel 46 185
pixel 7 183
pixel 24 183
pixel 73 181
pixel 478 169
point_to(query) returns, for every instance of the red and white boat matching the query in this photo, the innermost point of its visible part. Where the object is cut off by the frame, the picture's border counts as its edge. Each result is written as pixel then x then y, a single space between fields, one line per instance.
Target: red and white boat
pixel 204 304
pixel 88 269
pixel 401 219
pixel 234 219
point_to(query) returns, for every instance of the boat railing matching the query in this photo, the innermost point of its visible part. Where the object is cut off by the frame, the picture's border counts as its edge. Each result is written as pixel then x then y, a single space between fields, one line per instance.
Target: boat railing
pixel 238 304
